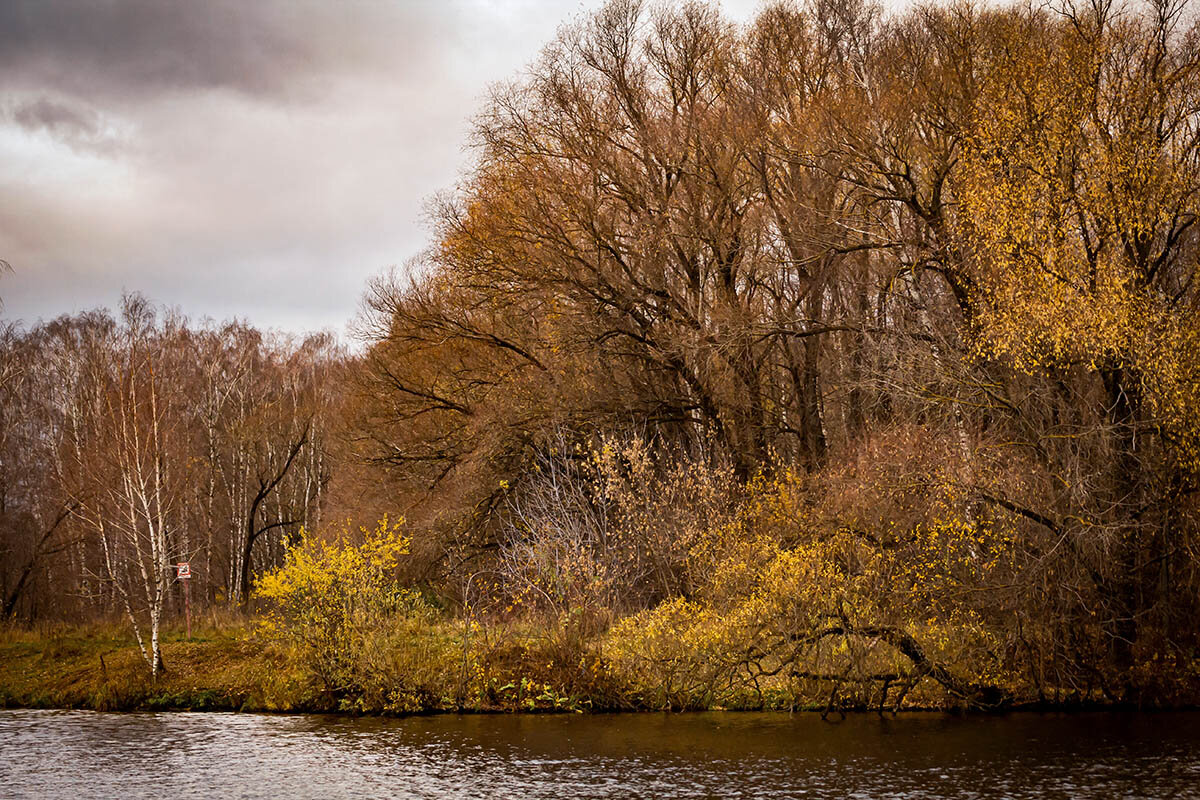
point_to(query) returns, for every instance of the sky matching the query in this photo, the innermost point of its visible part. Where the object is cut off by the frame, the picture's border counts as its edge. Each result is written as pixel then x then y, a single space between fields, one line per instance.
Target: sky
pixel 259 160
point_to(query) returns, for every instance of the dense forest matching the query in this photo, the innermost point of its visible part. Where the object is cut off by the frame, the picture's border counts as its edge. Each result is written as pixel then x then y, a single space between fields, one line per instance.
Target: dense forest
pixel 834 354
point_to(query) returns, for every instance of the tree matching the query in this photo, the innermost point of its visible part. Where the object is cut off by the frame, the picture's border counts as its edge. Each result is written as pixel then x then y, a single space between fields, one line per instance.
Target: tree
pixel 793 243
pixel 134 469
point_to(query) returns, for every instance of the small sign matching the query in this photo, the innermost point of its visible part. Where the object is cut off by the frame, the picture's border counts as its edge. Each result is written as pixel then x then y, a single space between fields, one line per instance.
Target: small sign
pixel 183 570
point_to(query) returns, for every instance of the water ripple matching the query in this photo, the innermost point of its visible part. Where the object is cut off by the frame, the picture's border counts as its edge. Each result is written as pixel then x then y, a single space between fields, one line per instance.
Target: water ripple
pixel 84 754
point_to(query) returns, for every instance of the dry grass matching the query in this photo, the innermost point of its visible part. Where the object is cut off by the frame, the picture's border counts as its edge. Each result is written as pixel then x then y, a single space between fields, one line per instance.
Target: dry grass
pixel 228 665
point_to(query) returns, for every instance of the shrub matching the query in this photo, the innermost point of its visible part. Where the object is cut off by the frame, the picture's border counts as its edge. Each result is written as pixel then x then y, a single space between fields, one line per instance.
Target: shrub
pixel 334 603
pixel 832 616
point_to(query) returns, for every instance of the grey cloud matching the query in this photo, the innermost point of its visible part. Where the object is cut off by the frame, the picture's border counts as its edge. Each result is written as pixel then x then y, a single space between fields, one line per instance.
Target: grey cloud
pixel 47 114
pixel 112 47
pixel 78 126
pixel 272 154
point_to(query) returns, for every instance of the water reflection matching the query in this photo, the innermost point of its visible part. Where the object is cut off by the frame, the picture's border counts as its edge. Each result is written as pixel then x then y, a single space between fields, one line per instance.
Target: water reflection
pixel 83 754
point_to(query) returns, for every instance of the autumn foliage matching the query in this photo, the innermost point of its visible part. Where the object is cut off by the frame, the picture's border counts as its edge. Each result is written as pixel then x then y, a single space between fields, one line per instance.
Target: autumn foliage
pixel 912 295
pixel 843 358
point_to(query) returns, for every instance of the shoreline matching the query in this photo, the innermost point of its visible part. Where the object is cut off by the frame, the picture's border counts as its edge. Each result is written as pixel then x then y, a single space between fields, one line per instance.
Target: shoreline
pixel 229 670
pixel 835 716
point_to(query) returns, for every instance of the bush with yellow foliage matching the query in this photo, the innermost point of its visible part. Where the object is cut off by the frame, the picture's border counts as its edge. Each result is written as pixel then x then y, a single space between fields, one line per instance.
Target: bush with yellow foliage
pixel 338 611
pixel 790 612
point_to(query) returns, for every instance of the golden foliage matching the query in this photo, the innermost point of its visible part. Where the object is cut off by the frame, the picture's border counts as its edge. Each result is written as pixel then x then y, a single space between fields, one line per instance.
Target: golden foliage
pixel 335 605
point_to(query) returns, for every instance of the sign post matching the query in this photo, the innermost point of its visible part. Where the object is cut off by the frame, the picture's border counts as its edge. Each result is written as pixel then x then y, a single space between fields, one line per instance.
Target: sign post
pixel 183 571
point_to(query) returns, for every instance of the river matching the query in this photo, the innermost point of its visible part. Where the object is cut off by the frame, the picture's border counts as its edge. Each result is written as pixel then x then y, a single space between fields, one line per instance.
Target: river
pixel 77 754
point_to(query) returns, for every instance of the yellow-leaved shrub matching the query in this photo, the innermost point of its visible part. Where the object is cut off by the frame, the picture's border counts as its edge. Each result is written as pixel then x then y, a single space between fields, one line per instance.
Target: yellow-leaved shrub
pixel 787 612
pixel 336 608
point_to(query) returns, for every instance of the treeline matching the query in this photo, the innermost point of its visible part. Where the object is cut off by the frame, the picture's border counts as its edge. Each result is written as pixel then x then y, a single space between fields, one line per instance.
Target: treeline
pixel 129 444
pixel 826 356
pixel 898 310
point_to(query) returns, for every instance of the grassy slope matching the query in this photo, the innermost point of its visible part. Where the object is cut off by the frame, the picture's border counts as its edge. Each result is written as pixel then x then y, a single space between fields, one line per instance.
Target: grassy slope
pixel 102 669
pixel 227 667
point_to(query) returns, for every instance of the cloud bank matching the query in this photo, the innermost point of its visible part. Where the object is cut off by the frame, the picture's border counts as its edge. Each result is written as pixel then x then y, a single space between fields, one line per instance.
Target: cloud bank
pixel 253 159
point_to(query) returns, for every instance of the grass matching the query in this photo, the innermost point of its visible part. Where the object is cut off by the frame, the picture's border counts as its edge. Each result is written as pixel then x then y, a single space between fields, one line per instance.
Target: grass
pixel 226 665
pixel 100 667
pixel 415 665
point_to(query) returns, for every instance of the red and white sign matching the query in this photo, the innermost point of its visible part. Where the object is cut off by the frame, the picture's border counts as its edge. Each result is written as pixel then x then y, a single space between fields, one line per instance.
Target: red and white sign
pixel 183 570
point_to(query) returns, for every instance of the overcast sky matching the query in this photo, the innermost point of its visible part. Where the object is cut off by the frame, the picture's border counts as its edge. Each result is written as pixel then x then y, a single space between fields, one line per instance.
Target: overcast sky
pixel 234 158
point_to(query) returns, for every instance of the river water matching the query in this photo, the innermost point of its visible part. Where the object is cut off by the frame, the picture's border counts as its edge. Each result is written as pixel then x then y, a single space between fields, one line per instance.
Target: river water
pixel 77 754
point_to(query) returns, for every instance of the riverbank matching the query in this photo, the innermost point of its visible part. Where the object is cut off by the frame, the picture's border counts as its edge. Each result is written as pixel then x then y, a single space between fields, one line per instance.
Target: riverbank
pixel 101 669
pixel 230 666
